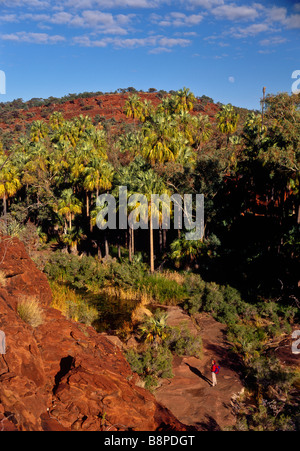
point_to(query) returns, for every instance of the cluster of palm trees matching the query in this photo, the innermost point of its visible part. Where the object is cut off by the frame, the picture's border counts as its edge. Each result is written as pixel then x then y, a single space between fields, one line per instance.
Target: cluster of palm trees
pixel 56 173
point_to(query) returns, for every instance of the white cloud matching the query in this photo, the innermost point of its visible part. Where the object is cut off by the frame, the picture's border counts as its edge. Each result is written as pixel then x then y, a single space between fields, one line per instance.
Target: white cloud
pixel 292 21
pixel 9 18
pixel 206 4
pixel 251 30
pixel 177 19
pixel 83 4
pixel 157 42
pixel 234 12
pixel 159 50
pixel 33 38
pixel 275 40
pixel 276 14
pixel 25 3
pixel 171 42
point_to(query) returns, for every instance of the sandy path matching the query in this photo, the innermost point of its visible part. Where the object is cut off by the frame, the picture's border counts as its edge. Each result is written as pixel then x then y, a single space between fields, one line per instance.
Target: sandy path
pixel 189 395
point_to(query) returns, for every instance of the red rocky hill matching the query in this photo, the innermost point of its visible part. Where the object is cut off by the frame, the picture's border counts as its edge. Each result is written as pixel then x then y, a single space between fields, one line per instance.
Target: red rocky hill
pixel 106 106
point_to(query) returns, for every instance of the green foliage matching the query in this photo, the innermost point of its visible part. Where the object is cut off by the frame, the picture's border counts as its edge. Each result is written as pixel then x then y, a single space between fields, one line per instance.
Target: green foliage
pixel 154 329
pixel 78 273
pixel 223 302
pixel 152 364
pixel 163 290
pixel 182 343
pixel 72 305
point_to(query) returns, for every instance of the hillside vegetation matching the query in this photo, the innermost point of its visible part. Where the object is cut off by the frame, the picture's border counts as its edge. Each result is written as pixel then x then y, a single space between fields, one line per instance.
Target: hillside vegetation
pixel 245 270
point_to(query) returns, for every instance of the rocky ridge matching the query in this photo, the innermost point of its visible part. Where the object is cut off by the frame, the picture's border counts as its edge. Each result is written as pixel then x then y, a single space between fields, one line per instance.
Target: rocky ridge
pixel 63 375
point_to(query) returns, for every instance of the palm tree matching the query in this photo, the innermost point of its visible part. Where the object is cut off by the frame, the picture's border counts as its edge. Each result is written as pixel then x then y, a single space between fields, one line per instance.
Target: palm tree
pixel 154 329
pixel 39 130
pixel 98 177
pixel 151 183
pixel 203 130
pixel 147 110
pixel 10 184
pixel 133 107
pixel 227 120
pixel 69 206
pixel 186 251
pixel 157 144
pixel 83 124
pixel 56 120
pixel 185 100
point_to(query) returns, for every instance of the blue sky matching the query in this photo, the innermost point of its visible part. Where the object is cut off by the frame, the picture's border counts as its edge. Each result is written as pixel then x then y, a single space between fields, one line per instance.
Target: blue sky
pixel 227 50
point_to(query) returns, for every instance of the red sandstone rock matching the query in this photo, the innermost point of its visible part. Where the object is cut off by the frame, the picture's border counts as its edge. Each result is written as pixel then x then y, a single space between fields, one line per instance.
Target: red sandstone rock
pixel 63 375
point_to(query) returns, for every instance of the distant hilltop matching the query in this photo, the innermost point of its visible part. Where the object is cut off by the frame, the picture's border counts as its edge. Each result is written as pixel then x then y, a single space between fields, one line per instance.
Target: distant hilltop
pixel 104 108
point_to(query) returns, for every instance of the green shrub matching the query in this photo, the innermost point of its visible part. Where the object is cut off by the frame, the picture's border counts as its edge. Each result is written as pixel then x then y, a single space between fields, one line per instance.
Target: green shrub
pixel 151 365
pixel 183 343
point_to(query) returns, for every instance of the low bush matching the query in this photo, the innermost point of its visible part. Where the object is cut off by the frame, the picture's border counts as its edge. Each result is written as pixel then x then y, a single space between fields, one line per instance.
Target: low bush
pixel 152 364
pixel 182 343
pixel 164 291
pixel 72 305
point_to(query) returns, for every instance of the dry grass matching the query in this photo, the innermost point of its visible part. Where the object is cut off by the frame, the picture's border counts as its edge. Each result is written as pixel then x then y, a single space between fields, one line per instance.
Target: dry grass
pixel 72 305
pixel 142 297
pixel 139 313
pixel 174 276
pixel 30 311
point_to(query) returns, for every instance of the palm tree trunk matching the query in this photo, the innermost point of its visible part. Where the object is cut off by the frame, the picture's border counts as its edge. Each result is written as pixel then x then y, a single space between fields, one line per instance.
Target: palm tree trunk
pixel 151 245
pixel 4 205
pixel 106 246
pixel 160 239
pixel 164 238
pixel 130 244
pixel 99 251
pixel 87 205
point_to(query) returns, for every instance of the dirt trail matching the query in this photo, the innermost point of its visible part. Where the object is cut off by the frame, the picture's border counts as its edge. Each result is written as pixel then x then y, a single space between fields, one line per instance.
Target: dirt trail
pixel 189 395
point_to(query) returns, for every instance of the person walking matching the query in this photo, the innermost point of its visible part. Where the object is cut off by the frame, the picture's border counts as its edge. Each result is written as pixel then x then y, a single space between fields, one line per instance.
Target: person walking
pixel 214 371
